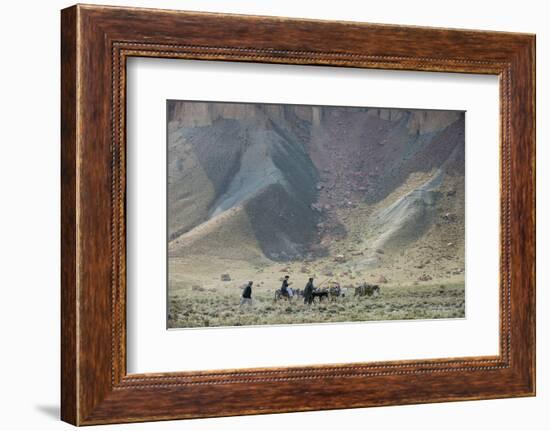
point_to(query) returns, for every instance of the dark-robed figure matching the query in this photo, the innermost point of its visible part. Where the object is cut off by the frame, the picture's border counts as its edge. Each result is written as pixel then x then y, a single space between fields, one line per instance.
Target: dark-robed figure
pixel 246 297
pixel 308 292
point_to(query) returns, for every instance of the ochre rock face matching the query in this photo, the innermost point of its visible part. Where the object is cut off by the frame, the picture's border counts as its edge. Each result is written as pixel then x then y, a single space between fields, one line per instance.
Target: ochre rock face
pixel 201 114
pixel 423 122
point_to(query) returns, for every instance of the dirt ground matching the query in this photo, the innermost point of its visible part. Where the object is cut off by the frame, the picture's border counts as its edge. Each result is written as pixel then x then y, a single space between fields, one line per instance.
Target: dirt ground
pixel 197 300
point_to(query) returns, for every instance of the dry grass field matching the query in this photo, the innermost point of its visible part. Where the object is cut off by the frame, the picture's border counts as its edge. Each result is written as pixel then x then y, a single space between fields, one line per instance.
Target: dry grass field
pixel 197 307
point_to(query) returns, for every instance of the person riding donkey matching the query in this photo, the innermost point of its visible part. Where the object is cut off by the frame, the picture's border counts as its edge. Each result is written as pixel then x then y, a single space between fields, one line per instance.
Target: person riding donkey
pixel 286 291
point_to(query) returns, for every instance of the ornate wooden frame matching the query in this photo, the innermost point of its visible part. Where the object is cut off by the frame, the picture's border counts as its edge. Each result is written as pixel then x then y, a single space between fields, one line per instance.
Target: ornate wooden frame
pixel 95 42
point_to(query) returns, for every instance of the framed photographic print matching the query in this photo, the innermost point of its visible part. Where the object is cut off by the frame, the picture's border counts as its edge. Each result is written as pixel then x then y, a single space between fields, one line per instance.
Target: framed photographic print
pixel 304 207
pixel 266 215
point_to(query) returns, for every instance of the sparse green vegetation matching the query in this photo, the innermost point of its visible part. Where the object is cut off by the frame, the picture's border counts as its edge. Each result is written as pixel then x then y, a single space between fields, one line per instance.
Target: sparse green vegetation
pixel 219 307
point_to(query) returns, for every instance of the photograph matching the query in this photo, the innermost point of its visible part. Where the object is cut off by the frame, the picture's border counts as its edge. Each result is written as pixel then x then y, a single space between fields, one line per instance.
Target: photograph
pixel 275 215
pixel 281 214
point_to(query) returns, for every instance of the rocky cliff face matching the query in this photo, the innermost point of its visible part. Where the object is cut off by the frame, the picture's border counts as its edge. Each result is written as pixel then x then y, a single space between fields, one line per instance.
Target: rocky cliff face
pixel 246 158
pixel 285 182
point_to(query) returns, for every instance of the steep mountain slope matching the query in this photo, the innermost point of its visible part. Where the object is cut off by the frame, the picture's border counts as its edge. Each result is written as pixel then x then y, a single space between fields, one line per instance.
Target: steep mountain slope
pixel 240 157
pixel 279 183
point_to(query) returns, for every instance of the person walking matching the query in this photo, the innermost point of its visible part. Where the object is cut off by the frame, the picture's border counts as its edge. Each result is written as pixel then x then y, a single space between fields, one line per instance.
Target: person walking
pixel 246 297
pixel 308 291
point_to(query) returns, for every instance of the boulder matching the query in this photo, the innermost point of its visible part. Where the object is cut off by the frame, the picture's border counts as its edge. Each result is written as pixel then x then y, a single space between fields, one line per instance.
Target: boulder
pixel 340 258
pixel 382 279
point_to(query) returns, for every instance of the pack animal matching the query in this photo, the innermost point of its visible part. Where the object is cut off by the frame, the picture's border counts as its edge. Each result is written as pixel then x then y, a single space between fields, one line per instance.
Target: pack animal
pixel 335 291
pixel 279 294
pixel 320 293
pixel 367 289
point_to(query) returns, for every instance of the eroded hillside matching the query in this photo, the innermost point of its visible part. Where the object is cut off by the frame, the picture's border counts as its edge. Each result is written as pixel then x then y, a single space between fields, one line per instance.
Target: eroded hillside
pixel 284 183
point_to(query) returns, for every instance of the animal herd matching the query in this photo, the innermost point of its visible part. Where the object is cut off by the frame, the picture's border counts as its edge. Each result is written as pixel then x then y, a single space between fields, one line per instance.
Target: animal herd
pixel 332 292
